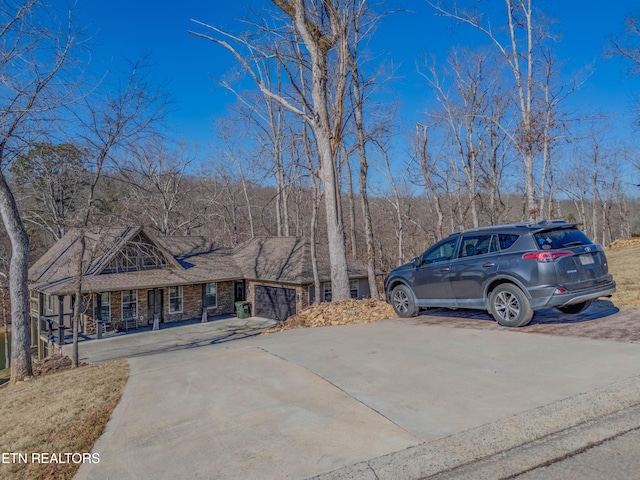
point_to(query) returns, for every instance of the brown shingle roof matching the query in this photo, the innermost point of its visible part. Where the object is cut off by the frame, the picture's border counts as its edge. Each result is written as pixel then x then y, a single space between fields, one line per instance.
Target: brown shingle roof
pixel 192 260
pixel 60 261
pixel 288 260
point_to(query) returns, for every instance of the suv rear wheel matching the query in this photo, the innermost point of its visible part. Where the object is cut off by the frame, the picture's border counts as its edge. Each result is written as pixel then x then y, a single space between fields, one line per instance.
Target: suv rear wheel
pixel 510 306
pixel 403 301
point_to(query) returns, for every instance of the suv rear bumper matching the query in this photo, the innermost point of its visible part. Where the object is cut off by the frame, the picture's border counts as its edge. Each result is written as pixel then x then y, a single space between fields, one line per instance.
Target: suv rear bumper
pixel 571 298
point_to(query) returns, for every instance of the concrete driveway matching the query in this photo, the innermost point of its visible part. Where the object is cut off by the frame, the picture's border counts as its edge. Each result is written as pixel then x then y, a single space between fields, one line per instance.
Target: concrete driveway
pixel 396 399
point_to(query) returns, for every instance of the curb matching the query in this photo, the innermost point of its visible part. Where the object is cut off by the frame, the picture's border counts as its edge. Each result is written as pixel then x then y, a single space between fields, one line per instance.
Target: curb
pixel 512 445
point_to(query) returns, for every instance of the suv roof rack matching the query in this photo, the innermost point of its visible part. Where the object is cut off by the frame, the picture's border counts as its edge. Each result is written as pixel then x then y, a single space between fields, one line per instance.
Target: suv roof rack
pixel 540 223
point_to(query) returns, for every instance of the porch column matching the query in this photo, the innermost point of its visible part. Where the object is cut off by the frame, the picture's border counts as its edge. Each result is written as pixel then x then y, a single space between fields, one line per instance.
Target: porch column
pixel 98 309
pixel 61 326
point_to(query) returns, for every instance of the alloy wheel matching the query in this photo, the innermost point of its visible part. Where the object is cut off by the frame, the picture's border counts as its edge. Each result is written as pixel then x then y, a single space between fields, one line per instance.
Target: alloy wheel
pixel 401 301
pixel 507 306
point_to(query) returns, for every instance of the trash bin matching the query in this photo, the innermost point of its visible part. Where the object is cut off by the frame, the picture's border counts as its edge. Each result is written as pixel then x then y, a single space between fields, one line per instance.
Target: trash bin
pixel 243 309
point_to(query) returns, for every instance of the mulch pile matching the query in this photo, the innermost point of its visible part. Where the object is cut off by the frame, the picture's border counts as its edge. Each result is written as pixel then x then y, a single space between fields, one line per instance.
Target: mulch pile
pixel 52 364
pixel 338 313
pixel 624 242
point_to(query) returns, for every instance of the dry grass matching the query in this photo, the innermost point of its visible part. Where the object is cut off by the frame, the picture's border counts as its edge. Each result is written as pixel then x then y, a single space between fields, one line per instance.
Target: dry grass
pixel 624 264
pixel 63 412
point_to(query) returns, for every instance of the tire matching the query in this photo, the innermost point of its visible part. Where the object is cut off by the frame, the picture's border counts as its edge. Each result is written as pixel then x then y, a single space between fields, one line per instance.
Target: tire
pixel 575 308
pixel 510 306
pixel 403 302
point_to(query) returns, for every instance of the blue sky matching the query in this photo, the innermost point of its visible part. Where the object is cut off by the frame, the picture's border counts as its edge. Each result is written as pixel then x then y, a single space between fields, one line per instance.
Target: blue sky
pixel 192 66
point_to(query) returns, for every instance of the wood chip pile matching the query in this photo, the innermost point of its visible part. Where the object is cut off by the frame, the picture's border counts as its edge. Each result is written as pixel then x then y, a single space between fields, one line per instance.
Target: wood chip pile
pixel 338 313
pixel 624 242
pixel 52 364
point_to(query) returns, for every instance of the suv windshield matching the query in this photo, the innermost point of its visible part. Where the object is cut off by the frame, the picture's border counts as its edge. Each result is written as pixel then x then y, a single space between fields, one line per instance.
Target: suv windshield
pixel 561 238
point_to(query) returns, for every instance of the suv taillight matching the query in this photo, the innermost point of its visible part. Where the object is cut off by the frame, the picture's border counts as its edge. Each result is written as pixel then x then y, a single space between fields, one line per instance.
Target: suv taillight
pixel 548 256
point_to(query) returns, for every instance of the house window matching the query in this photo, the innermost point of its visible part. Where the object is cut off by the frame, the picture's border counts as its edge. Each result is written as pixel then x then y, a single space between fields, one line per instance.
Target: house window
pixel 210 295
pixel 175 299
pixel 326 291
pixel 353 287
pixel 49 303
pixel 129 304
pixel 103 302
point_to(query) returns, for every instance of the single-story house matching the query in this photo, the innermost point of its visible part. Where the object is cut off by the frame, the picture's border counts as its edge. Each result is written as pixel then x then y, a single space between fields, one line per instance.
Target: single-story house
pixel 131 277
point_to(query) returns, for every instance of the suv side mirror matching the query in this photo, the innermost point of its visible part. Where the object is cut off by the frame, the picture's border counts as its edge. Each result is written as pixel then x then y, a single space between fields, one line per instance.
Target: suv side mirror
pixel 416 262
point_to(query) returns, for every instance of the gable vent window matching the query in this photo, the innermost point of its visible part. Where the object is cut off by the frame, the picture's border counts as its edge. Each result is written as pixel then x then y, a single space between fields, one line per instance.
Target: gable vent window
pixel 138 254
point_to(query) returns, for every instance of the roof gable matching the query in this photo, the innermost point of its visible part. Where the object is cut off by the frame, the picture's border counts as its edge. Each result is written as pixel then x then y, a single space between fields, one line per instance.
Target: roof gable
pixel 135 253
pixel 102 247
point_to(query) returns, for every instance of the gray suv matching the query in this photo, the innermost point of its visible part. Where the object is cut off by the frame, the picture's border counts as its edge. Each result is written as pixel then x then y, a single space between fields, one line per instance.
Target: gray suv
pixel 508 270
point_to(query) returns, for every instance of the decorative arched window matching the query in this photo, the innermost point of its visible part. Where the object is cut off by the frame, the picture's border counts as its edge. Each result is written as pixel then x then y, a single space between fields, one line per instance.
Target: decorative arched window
pixel 137 254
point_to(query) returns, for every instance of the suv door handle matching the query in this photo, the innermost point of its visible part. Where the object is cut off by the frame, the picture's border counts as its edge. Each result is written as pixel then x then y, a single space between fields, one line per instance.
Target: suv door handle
pixel 489 264
pixel 446 269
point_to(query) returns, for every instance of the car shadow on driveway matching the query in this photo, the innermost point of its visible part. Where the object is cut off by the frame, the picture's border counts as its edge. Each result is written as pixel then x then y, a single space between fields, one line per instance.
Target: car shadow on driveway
pixel 602 321
pixel 549 316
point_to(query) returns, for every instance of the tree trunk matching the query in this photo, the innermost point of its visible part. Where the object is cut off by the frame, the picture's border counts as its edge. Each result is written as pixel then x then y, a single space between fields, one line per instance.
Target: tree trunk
pixel 18 286
pixel 326 157
pixel 352 209
pixel 7 349
pixel 335 229
pixel 75 356
pixel 358 108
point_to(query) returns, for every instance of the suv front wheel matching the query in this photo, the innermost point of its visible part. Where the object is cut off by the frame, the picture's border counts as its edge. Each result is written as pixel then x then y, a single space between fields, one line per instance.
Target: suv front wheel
pixel 403 302
pixel 510 306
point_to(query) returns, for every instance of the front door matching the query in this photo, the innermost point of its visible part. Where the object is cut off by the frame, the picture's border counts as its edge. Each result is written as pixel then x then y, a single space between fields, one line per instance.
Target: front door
pixel 155 302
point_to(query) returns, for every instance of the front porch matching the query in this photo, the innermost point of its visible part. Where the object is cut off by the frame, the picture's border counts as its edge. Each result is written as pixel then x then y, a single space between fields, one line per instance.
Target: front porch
pixel 112 313
pixel 56 340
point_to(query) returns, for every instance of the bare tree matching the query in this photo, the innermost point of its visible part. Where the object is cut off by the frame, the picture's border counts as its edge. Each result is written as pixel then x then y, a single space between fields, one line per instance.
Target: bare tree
pixel 464 102
pixel 49 179
pixel 358 99
pixel 159 186
pixel 35 52
pixel 518 49
pixel 116 121
pixel 323 29
pixel 395 181
pixel 430 176
pixel 627 47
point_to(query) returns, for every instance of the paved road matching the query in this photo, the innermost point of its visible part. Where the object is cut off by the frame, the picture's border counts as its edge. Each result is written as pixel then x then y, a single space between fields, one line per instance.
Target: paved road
pixel 614 459
pixel 395 399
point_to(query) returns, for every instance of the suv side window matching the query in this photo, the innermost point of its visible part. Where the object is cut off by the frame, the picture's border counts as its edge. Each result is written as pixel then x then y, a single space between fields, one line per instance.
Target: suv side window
pixel 506 240
pixel 440 252
pixel 477 245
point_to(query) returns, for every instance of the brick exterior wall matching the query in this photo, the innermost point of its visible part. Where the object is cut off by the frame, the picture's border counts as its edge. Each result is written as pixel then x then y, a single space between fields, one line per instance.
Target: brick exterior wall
pixel 191 305
pixel 226 299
